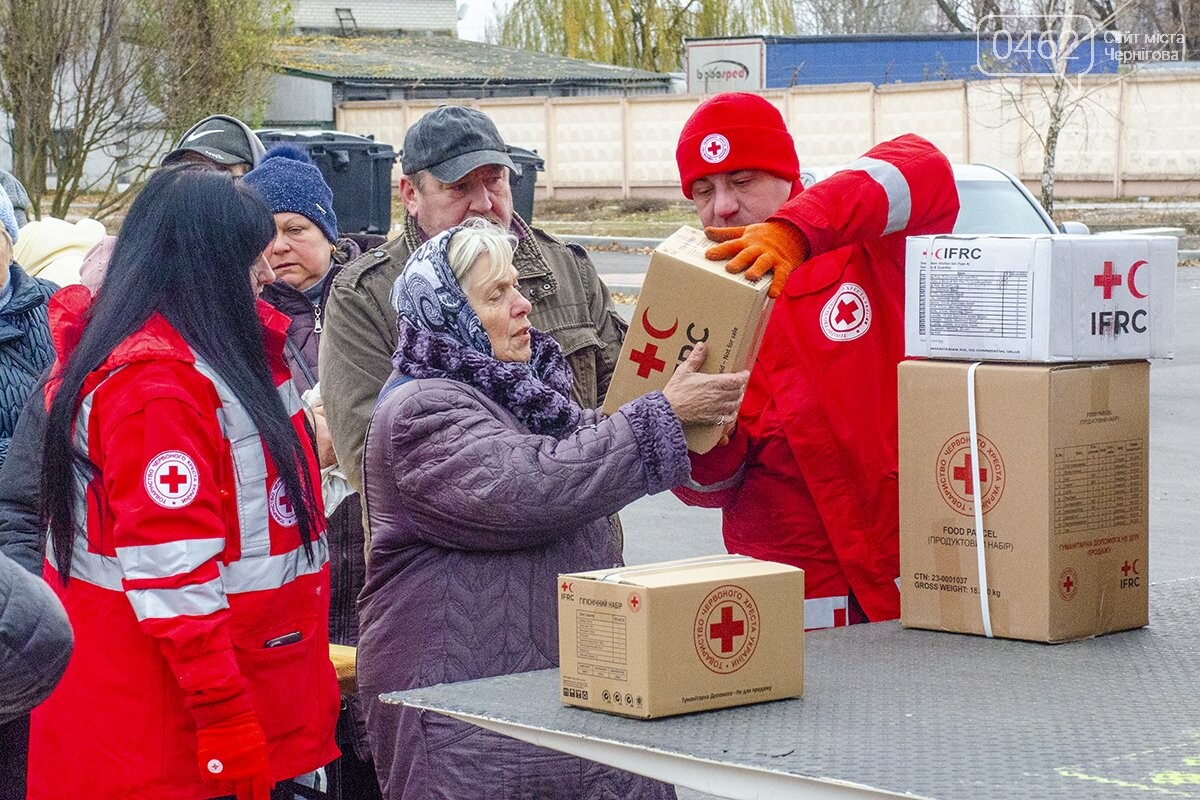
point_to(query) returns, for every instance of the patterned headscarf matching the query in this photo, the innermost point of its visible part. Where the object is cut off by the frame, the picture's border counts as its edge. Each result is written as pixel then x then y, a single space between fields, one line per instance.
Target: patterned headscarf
pixel 428 296
pixel 440 336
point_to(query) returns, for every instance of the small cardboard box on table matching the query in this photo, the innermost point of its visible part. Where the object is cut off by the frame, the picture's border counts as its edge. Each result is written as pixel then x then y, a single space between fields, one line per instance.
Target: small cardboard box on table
pixel 687 299
pixel 1061 475
pixel 679 636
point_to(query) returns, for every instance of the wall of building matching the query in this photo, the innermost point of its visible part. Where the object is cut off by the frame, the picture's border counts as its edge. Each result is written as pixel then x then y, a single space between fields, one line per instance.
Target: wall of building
pixel 377 15
pixel 1127 138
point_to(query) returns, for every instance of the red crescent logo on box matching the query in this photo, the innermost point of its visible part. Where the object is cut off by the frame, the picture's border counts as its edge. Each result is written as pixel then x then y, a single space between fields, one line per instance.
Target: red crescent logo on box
pixel 171 479
pixel 647 358
pixel 953 474
pixel 847 315
pixel 726 629
pixel 282 510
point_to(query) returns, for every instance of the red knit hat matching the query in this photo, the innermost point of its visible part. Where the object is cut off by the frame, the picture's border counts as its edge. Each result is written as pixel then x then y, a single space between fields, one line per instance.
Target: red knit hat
pixel 732 131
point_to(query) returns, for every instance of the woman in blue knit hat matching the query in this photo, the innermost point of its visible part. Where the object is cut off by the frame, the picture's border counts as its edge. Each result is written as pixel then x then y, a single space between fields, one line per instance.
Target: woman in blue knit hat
pixel 305 255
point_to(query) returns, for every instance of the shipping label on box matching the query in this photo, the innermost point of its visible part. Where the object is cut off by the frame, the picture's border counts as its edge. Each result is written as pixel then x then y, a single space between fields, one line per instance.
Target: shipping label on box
pixel 687 299
pixel 1062 473
pixel 1040 298
pixel 681 636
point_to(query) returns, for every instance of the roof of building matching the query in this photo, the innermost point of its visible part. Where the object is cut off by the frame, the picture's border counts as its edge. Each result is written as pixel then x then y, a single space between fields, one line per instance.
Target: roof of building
pixel 429 59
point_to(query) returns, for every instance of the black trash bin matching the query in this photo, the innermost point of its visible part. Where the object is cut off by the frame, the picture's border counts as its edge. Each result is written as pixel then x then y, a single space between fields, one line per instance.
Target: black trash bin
pixel 523 179
pixel 357 168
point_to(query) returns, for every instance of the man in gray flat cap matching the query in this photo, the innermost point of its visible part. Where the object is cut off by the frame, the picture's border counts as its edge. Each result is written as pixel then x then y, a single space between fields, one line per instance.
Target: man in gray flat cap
pixel 456 165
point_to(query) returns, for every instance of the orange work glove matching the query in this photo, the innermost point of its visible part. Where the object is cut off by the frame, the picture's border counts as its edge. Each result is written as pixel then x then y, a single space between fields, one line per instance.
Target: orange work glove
pixel 771 246
pixel 235 751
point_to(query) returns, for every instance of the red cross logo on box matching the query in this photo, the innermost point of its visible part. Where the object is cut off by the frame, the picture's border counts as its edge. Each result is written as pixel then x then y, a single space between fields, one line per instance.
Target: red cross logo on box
pixel 726 629
pixel 847 314
pixel 1068 584
pixel 956 470
pixel 647 360
pixel 171 479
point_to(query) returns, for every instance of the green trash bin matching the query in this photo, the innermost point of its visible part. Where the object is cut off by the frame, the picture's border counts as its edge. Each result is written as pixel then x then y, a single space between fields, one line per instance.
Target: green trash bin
pixel 523 179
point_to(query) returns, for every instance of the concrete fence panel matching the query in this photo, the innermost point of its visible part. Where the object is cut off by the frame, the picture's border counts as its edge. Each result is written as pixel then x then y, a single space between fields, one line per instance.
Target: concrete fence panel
pixel 1124 137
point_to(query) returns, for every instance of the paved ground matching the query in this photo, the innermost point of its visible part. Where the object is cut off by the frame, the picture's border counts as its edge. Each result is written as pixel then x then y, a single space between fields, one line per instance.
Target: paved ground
pixel 659 528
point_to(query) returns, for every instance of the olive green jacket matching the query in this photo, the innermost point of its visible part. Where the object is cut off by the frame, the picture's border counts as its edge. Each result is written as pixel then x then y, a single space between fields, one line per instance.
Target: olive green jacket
pixel 570 302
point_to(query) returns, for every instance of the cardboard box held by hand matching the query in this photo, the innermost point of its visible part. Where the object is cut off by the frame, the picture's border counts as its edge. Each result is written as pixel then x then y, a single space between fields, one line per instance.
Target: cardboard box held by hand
pixel 679 636
pixel 1063 482
pixel 687 299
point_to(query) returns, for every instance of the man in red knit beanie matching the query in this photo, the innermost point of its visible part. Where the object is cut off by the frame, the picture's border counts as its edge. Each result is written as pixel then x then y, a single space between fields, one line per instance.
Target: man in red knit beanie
pixel 808 476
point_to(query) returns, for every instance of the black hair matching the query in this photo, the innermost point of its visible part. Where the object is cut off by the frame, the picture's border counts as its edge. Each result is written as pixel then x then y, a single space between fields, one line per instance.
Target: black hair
pixel 185 251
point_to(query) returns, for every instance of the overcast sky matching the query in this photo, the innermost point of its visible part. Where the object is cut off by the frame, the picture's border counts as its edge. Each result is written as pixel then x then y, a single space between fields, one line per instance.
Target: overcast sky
pixel 471 26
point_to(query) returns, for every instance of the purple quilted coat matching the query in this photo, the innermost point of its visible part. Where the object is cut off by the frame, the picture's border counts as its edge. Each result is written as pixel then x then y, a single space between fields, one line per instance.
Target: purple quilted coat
pixel 473 517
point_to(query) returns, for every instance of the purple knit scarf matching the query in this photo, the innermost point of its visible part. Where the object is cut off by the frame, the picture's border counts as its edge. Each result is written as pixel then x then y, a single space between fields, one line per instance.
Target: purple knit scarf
pixel 537 393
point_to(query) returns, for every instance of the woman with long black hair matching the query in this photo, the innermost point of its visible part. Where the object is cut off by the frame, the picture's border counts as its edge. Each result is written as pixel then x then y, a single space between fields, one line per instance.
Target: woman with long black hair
pixel 186 542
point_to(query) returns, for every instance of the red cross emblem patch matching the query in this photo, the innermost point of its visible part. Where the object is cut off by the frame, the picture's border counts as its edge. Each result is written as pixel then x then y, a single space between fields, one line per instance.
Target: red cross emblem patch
pixel 282 510
pixel 847 315
pixel 171 479
pixel 715 148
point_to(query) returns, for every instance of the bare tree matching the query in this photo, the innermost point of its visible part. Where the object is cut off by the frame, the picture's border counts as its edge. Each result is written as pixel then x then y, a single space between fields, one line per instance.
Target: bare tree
pixel 212 56
pixel 1051 94
pixel 36 36
pixel 826 17
pixel 96 89
pixel 103 128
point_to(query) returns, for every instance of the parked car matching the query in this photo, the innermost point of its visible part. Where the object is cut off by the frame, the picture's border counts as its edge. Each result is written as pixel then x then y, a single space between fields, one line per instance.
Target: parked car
pixel 990 201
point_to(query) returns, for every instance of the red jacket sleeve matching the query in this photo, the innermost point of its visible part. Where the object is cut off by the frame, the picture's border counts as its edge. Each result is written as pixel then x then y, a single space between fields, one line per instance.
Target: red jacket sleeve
pixel 716 475
pixel 161 476
pixel 903 187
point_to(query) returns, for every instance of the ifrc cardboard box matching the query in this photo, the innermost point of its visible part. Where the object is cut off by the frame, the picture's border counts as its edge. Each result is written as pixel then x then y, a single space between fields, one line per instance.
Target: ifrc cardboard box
pixel 1062 481
pixel 679 636
pixel 687 299
pixel 1040 298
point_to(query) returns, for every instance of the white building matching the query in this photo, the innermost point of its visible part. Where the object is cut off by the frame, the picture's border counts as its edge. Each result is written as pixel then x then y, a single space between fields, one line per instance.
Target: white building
pixel 348 17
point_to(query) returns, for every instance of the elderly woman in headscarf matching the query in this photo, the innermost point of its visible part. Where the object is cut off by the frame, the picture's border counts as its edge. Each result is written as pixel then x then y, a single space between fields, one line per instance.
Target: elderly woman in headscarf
pixel 484 481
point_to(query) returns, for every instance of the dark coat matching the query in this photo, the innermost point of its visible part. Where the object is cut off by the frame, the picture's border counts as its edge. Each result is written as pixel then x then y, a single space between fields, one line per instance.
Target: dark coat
pixel 22 535
pixel 25 347
pixel 474 517
pixel 35 640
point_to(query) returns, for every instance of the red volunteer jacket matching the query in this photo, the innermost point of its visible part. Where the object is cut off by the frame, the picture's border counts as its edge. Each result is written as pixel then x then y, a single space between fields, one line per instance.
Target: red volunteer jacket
pixel 190 564
pixel 809 477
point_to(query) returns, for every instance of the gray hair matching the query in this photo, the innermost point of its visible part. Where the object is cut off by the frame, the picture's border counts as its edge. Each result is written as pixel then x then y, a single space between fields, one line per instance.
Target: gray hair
pixel 477 237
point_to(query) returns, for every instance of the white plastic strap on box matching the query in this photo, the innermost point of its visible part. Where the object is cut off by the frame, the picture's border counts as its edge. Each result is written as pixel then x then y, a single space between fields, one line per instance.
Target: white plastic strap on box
pixel 622 574
pixel 976 495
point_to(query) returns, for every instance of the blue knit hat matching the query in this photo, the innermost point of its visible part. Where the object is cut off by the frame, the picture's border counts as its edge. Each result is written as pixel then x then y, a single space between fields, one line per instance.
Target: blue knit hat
pixel 289 181
pixel 8 216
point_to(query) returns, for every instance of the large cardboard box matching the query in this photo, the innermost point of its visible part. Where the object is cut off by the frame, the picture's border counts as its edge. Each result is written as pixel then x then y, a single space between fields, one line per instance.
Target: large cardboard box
pixel 1063 485
pixel 679 636
pixel 687 299
pixel 1040 298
